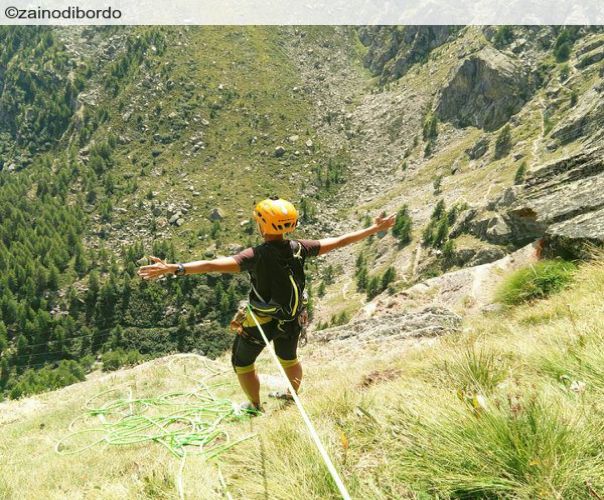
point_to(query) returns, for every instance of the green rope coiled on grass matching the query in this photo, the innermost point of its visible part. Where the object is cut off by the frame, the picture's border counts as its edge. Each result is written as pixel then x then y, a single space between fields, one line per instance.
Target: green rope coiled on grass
pixel 185 423
pixel 192 420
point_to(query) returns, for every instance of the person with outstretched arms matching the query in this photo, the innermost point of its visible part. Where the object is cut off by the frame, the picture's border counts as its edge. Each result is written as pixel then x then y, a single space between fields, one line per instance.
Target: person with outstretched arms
pixel 277 296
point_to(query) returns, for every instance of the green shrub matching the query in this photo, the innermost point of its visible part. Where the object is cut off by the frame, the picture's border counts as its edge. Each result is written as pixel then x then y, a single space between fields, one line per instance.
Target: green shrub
pixel 503 143
pixel 388 277
pixel 520 173
pixel 402 226
pixel 430 128
pixel 574 97
pixel 373 287
pixel 114 360
pixel 437 184
pixel 503 36
pixel 436 232
pixel 564 43
pixel 449 252
pixel 535 282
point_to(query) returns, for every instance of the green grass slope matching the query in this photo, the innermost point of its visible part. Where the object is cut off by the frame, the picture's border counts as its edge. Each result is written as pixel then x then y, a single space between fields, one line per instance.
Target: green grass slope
pixel 511 408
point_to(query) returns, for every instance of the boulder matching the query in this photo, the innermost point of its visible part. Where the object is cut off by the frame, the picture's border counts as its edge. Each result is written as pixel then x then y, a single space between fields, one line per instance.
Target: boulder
pixel 574 237
pixel 462 223
pixel 486 256
pixel 479 148
pixel 216 214
pixel 497 230
pixel 486 89
pixel 462 256
pixel 279 151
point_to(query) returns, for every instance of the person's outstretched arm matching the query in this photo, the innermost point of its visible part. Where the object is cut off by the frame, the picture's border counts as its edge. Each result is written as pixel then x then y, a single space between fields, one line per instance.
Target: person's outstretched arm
pixel 161 268
pixel 381 223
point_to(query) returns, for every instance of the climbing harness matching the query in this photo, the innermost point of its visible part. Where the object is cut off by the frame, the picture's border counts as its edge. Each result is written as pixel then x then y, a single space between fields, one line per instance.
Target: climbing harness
pixel 313 433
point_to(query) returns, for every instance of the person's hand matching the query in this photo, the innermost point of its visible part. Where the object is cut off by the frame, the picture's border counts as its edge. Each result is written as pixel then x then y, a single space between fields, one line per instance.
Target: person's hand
pixel 383 222
pixel 157 270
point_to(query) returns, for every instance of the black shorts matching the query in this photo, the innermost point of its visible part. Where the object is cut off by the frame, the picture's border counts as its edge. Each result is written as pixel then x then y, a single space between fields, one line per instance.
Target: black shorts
pixel 249 344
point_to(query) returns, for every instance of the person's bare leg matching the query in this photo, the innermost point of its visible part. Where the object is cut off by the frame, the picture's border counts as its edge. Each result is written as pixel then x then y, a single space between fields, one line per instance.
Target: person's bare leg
pixel 294 374
pixel 250 383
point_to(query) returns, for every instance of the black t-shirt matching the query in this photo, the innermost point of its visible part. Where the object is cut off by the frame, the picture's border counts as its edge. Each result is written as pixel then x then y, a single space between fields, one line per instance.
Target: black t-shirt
pixel 247 260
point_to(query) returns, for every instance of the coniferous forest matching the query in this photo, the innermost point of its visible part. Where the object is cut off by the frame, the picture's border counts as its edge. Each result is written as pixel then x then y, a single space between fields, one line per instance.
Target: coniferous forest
pixel 66 305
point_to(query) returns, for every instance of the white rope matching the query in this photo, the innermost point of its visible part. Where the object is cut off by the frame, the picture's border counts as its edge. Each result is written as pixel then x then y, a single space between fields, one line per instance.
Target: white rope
pixel 313 433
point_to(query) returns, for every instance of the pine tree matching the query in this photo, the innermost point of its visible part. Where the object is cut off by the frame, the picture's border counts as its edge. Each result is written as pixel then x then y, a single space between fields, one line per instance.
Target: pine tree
pixel 439 210
pixel 53 278
pixel 106 303
pixel 181 334
pixel 92 293
pixel 520 173
pixel 388 277
pixel 360 262
pixel 503 143
pixel 116 337
pixel 4 373
pixel 442 232
pixel 402 226
pixel 80 263
pixel 430 128
pixel 22 346
pixel 373 287
pixel 3 337
pixel 437 184
pixel 362 279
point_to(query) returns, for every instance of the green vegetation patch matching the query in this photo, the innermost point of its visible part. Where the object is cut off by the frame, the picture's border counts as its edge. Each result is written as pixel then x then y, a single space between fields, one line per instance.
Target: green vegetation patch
pixel 536 281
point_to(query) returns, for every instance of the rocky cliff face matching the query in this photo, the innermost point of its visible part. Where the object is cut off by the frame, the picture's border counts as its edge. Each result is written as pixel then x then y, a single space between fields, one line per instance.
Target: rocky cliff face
pixel 563 202
pixel 560 201
pixel 392 50
pixel 486 89
pixel 585 120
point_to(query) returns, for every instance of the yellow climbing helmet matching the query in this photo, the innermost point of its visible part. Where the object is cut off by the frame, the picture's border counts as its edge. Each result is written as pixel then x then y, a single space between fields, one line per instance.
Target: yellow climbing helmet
pixel 275 216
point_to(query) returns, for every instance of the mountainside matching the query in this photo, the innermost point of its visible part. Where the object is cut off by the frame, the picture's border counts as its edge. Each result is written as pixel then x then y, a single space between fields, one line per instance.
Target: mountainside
pixel 502 405
pixel 118 142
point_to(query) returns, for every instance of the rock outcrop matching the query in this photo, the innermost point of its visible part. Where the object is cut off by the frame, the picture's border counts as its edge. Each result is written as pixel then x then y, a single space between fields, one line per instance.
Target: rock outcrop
pixel 392 50
pixel 562 201
pixel 486 89
pixel 586 119
pixel 429 322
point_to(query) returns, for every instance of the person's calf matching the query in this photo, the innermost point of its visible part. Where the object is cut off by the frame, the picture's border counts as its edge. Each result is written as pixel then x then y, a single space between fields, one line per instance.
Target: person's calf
pixel 293 370
pixel 249 382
